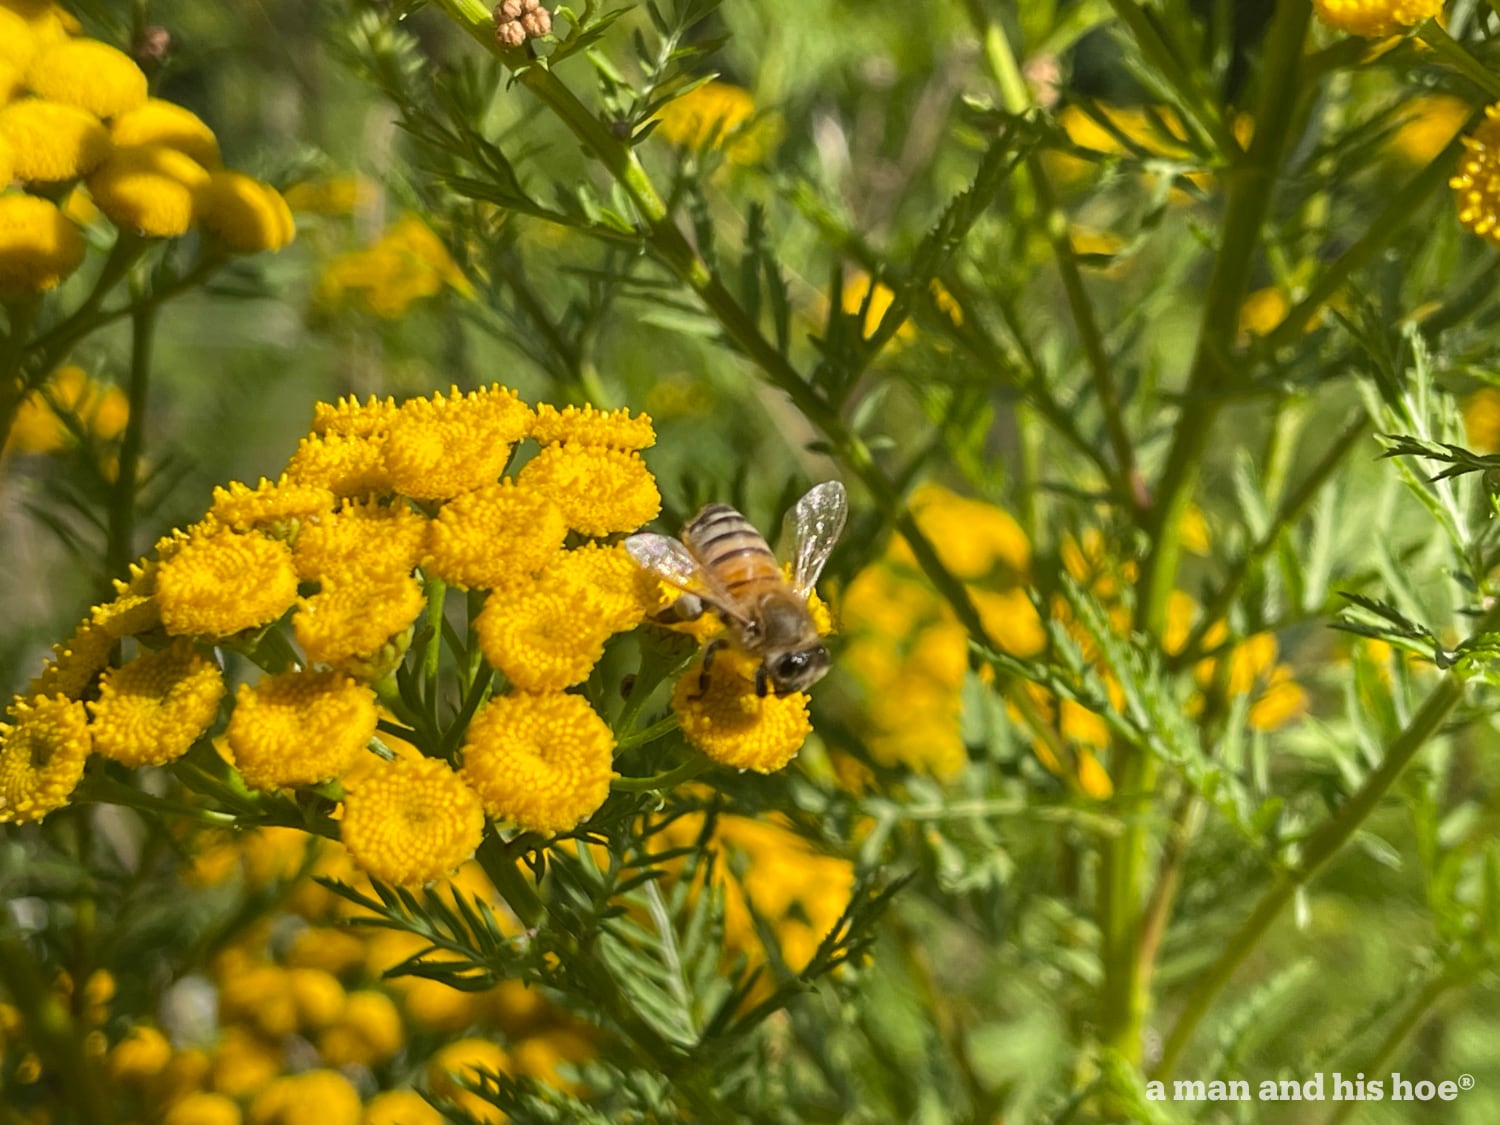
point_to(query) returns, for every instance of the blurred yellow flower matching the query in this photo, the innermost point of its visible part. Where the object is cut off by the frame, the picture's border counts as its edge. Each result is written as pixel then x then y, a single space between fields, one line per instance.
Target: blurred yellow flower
pixel 92 75
pixel 463 1062
pixel 721 116
pixel 169 125
pixel 224 582
pixel 858 289
pixel 410 821
pixel 142 1054
pixel 299 728
pixel 498 535
pixel 542 761
pixel 408 262
pixel 1375 18
pixel 43 748
pixel 39 247
pixel 337 195
pixel 203 1108
pixel 734 726
pixel 1427 123
pixel 314 1097
pixel 52 142
pixel 246 215
pixel 368 1031
pixel 971 537
pixel 599 490
pixel 149 189
pixel 1261 312
pixel 617 429
pixel 441 446
pixel 400 1107
pixel 1477 183
pixel 1481 413
pixel 100 408
pixel 154 708
pixel 17 45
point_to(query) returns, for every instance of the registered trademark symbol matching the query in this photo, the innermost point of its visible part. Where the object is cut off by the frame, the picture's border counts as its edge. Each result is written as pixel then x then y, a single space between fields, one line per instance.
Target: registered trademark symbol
pixel 1465 1081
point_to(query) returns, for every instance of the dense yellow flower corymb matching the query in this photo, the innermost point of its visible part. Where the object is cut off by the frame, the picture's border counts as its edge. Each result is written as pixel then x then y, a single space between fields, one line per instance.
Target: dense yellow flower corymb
pixel 543 639
pixel 360 541
pixel 154 708
pixel 224 583
pixel 734 726
pixel 158 122
pixel 246 215
pixel 1373 18
pixel 148 189
pixel 599 490
pixel 43 748
pixel 442 446
pixel 51 142
pixel 410 821
pixel 39 246
pixel 497 535
pixel 617 429
pixel 299 728
pixel 352 620
pixel 89 74
pixel 140 1056
pixel 542 761
pixel 1477 183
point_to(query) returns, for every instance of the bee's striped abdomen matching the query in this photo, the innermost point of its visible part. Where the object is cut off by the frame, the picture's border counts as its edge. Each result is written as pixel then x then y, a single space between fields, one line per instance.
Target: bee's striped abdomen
pixel 732 551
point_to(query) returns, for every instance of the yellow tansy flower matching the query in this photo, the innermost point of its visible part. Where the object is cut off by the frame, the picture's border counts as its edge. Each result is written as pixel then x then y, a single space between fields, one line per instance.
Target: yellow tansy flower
pixel 408 263
pixel 599 490
pixel 102 409
pixel 148 189
pixel 717 115
pixel 154 708
pixel 543 639
pixel 497 535
pixel 75 662
pixel 619 593
pixel 38 245
pixel 157 122
pixel 368 1032
pixel 17 46
pixel 1481 414
pixel 42 753
pixel 441 446
pixel 1428 123
pixel 246 215
pixel 353 418
pixel 224 583
pixel 617 429
pixel 861 286
pixel 360 540
pixel 401 1107
pixel 734 726
pixel 353 619
pixel 542 761
pixel 46 22
pixel 52 142
pixel 971 537
pixel 201 1107
pixel 1375 18
pixel 314 1097
pixel 89 74
pixel 141 1055
pixel 299 728
pixel 277 508
pixel 1010 620
pixel 1477 183
pixel 337 195
pixel 465 1060
pixel 347 465
pixel 410 821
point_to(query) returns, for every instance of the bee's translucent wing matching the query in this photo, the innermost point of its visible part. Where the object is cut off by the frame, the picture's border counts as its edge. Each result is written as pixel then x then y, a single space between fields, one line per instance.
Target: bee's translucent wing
pixel 671 561
pixel 812 528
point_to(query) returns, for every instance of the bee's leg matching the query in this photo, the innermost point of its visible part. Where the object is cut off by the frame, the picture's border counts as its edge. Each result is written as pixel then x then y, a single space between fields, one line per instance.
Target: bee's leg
pixel 762 681
pixel 710 650
pixel 689 607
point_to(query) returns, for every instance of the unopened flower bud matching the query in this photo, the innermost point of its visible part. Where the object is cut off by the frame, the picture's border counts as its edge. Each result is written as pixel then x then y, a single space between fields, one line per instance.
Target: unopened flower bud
pixel 519 20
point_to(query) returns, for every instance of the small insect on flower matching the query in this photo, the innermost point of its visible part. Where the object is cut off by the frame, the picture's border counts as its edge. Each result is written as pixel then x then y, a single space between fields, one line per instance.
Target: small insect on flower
pixel 722 563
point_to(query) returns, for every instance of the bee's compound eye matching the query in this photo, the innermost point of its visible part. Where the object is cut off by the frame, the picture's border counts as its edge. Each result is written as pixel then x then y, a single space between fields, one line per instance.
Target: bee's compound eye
pixel 791 664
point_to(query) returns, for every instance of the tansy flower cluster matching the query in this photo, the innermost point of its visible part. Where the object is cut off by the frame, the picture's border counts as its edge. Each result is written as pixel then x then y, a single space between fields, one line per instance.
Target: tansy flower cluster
pixel 1374 18
pixel 407 263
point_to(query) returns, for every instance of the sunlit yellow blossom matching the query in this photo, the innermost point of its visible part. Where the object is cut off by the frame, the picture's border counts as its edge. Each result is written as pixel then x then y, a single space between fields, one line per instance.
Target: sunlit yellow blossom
pixel 92 75
pixel 258 995
pixel 600 490
pixel 1428 123
pixel 1481 413
pixel 148 189
pixel 326 947
pixel 158 122
pixel 243 1062
pixel 1089 243
pixel 17 46
pixel 338 195
pixel 363 540
pixel 1011 620
pixel 277 508
pixel 43 748
pixel 542 761
pixel 734 726
pixel 497 535
pixel 100 408
pixel 185 1073
pixel 618 429
pixel 971 537
pixel 859 288
pixel 1477 183
pixel 441 446
pixel 52 142
pixel 543 639
pixel 400 1107
pixel 75 662
pixel 142 1054
pixel 318 998
pixel 408 263
pixel 1261 312
pixel 1374 18
pixel 298 728
pixel 618 592
pixel 154 708
pixel 348 466
pixel 224 583
pixel 1280 701
pixel 718 115
pixel 203 1108
pixel 408 822
pixel 368 1031
pixel 352 418
pixel 354 618
pixel 246 215
pixel 46 22
pixel 314 1097
pixel 463 1062
pixel 38 246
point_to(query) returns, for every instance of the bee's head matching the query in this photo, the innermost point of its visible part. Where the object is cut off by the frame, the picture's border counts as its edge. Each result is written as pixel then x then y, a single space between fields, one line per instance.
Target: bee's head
pixel 792 671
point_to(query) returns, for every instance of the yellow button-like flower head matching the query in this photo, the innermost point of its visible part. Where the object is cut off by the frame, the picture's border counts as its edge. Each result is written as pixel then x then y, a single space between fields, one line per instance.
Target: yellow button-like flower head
pixel 39 246
pixel 497 535
pixel 223 583
pixel 542 761
pixel 369 1031
pixel 600 490
pixel 17 45
pixel 89 74
pixel 347 465
pixel 410 821
pixel 158 122
pixel 542 638
pixel 314 1097
pixel 466 1060
pixel 352 620
pixel 1375 18
pixel 201 1107
pixel 246 215
pixel 51 142
pixel 141 1055
pixel 441 446
pixel 148 189
pixel 299 728
pixel 352 418
pixel 401 1107
pixel 279 509
pixel 42 752
pixel 360 541
pixel 734 726
pixel 154 708
pixel 618 591
pixel 75 662
pixel 1478 181
pixel 617 429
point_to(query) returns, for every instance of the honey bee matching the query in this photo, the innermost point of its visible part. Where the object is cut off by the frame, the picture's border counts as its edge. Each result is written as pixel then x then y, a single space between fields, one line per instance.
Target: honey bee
pixel 722 563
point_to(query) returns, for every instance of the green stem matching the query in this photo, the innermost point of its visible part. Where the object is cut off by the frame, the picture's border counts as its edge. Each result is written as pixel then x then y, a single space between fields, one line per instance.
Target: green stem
pixel 693 767
pixel 1317 850
pixel 1453 53
pixel 120 550
pixel 13 388
pixel 495 858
